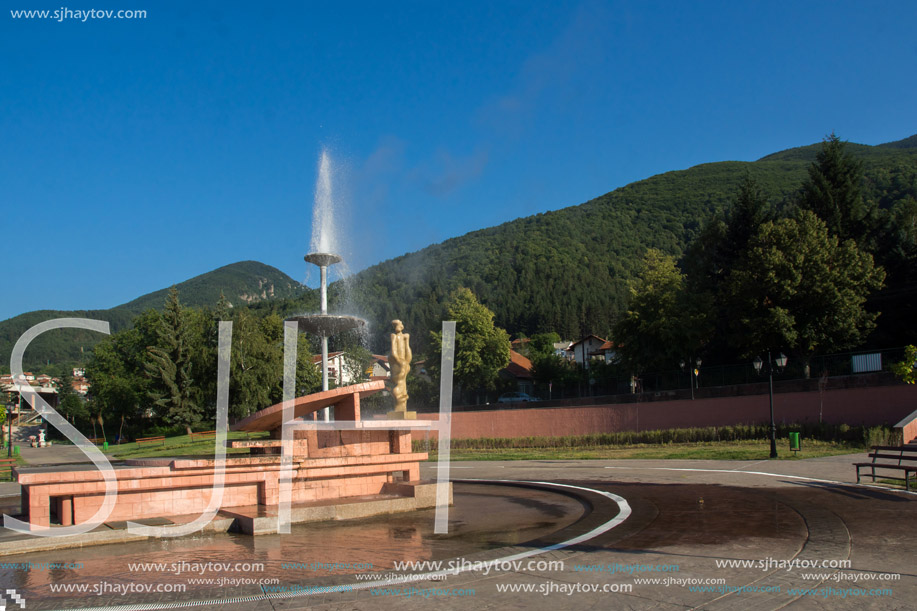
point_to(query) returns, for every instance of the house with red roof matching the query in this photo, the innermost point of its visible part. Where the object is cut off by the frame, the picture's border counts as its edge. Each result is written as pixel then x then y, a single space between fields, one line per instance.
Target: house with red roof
pixel 519 369
pixel 592 347
pixel 340 375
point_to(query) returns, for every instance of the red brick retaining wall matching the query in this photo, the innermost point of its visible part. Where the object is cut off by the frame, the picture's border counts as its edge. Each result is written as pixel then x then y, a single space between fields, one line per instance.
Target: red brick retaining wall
pixel 854 406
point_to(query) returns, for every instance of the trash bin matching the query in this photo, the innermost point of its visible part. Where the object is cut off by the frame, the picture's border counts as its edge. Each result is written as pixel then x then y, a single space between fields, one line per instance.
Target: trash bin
pixel 15 450
pixel 104 445
pixel 794 441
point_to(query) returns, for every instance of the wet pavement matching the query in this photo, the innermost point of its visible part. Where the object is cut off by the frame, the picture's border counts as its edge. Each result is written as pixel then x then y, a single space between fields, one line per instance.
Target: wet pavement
pixel 483 518
pixel 713 534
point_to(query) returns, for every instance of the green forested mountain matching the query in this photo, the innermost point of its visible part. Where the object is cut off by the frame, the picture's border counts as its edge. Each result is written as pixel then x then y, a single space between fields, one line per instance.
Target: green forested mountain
pixel 567 270
pixel 242 283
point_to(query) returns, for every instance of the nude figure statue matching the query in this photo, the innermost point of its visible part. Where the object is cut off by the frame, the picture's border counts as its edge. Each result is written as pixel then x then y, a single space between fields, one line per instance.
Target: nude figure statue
pixel 400 364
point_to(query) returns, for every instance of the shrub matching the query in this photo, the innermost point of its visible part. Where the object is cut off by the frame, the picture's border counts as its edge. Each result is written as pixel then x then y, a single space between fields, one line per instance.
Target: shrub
pixel 865 436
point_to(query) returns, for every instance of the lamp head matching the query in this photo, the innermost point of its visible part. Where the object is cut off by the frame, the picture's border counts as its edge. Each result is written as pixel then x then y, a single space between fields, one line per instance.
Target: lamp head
pixel 758 363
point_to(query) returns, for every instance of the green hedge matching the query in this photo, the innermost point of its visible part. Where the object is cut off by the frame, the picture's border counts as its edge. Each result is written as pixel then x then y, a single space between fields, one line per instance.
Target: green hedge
pixel 865 436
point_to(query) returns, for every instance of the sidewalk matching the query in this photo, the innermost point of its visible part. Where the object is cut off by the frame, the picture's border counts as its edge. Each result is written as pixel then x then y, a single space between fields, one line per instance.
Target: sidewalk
pixel 720 524
pixel 36 457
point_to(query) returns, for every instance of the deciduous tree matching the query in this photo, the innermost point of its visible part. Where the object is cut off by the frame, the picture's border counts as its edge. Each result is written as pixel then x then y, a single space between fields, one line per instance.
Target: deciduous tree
pixel 481 349
pixel 663 322
pixel 800 288
pixel 907 368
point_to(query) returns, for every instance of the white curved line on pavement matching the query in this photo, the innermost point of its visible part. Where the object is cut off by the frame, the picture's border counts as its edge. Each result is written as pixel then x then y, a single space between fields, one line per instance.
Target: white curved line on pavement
pixel 624 512
pixel 765 473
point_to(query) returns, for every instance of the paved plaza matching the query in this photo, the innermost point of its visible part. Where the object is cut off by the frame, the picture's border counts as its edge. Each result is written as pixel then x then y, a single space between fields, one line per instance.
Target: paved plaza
pixel 699 535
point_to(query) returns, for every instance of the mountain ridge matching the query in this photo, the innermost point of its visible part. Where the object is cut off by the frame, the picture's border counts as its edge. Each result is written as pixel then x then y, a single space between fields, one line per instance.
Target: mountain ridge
pixel 564 270
pixel 243 283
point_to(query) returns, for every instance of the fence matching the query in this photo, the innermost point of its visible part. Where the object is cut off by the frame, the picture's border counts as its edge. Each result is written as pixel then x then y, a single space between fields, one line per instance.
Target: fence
pixel 821 368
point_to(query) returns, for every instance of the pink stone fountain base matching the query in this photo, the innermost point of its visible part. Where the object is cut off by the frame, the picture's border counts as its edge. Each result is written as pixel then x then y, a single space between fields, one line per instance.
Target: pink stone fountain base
pixel 327 465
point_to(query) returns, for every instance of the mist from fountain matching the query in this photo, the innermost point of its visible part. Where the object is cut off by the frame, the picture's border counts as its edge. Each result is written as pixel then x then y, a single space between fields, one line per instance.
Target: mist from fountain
pixel 324 252
pixel 324 235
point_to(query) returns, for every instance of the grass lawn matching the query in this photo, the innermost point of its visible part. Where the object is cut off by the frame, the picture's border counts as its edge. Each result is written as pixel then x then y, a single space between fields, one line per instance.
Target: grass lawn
pixel 894 483
pixel 707 450
pixel 178 446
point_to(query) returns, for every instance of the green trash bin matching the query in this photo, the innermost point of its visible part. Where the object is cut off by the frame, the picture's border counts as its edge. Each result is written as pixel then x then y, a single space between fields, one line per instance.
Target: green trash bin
pixel 15 450
pixel 104 445
pixel 794 441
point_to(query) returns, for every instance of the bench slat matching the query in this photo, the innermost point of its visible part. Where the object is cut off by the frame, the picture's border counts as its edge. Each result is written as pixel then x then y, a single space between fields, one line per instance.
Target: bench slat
pixel 6 466
pixel 893 457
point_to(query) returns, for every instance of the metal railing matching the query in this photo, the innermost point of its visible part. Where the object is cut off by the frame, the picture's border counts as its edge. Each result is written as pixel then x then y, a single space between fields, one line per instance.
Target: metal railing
pixel 821 368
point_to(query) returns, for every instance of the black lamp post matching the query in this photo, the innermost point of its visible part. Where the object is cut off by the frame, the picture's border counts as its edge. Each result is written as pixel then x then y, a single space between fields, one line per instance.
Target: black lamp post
pixel 781 363
pixel 9 428
pixel 692 374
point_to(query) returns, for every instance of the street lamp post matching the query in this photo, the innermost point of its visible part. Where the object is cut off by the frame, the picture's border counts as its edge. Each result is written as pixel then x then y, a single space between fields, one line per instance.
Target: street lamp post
pixel 9 428
pixel 692 374
pixel 781 363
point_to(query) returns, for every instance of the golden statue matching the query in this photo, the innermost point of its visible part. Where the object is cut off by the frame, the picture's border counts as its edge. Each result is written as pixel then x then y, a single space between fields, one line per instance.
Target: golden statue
pixel 399 362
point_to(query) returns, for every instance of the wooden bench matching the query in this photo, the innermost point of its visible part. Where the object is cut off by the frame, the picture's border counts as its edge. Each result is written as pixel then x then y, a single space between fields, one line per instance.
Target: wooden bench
pixel 202 434
pixel 97 441
pixel 895 458
pixel 160 440
pixel 6 465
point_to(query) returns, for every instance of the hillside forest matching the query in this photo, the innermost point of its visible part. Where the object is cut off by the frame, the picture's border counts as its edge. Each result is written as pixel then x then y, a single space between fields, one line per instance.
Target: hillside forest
pixel 809 251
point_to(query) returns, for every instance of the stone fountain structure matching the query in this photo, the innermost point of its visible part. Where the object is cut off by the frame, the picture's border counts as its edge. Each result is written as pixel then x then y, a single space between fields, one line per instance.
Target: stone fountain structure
pixel 324 324
pixel 342 467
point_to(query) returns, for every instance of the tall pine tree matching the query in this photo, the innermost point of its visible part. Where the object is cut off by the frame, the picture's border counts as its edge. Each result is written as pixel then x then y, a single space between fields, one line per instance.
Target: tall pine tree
pixel 834 192
pixel 169 366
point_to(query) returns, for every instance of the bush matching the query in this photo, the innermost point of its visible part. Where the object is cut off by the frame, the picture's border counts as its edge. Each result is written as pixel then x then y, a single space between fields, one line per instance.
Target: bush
pixel 865 436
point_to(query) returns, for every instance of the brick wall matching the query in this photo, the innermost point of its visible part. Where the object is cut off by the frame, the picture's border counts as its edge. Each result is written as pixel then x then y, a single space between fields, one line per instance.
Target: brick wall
pixel 854 406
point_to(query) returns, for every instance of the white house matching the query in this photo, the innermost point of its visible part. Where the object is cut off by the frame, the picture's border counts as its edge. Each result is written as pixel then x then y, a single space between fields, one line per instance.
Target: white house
pixel 588 348
pixel 341 375
pixel 561 349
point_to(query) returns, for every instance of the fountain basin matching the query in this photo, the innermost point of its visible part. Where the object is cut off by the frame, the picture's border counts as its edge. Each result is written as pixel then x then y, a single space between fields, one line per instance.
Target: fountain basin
pixel 327 325
pixel 323 259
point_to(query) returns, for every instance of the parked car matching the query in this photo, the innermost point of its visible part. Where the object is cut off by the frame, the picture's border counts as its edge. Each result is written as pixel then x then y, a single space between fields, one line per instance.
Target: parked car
pixel 516 397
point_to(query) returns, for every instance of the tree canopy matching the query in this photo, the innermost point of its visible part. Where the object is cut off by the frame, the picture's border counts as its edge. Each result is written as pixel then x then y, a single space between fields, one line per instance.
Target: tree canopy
pixel 800 287
pixel 162 371
pixel 664 322
pixel 481 349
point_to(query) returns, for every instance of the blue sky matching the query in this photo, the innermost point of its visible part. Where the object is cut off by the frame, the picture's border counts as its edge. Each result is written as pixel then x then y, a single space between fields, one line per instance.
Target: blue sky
pixel 139 153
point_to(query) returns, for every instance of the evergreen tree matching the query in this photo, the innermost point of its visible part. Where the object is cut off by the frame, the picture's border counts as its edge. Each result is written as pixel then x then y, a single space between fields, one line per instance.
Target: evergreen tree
pixel 70 405
pixel 223 309
pixel 308 374
pixel 169 365
pixel 834 192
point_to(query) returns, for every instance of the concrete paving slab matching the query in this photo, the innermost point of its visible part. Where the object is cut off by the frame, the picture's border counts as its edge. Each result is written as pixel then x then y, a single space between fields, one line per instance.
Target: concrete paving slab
pixel 715 521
